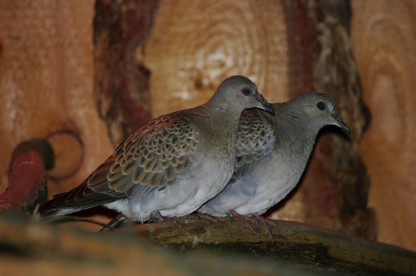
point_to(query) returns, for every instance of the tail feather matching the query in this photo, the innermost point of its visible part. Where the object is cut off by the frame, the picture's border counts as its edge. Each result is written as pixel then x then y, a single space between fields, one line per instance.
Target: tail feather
pixel 83 196
pixel 77 199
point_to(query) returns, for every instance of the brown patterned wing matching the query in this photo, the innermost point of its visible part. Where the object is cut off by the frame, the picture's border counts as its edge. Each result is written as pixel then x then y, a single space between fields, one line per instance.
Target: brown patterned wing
pixel 149 159
pixel 255 139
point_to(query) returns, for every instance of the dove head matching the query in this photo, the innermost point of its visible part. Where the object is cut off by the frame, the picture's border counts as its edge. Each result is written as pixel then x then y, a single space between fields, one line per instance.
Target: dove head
pixel 317 110
pixel 237 93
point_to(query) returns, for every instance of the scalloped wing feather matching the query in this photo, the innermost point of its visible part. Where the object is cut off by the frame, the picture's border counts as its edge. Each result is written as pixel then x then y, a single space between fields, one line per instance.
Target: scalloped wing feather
pixel 149 159
pixel 255 140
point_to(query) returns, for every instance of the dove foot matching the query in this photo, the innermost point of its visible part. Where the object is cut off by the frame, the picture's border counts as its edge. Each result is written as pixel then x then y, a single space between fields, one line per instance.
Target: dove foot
pixel 158 216
pixel 247 220
pixel 209 217
pixel 267 223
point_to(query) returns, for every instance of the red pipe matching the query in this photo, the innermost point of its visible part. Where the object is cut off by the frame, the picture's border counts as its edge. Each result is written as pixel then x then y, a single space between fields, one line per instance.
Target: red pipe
pixel 27 176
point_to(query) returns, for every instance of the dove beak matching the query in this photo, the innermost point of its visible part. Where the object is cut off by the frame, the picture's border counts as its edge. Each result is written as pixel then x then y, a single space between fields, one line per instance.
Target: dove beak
pixel 340 123
pixel 265 104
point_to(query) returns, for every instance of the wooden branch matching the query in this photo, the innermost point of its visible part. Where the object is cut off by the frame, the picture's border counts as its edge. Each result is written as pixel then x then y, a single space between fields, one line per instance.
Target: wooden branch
pixel 293 242
pixel 212 248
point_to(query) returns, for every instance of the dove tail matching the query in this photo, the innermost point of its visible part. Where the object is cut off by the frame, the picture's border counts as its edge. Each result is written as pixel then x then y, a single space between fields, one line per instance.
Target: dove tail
pixel 81 197
pixel 68 202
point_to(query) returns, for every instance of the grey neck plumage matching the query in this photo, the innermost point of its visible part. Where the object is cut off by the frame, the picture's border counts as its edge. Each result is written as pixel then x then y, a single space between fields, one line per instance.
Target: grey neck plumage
pixel 293 131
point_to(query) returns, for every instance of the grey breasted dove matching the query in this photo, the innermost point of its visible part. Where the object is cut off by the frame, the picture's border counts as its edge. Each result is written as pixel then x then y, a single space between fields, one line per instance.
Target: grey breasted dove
pixel 272 153
pixel 173 164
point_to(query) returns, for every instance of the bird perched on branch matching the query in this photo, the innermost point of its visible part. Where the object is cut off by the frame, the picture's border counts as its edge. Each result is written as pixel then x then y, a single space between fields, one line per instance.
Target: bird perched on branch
pixel 173 164
pixel 272 153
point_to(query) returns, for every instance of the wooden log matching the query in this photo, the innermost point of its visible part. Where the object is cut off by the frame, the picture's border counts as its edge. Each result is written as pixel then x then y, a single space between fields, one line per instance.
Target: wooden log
pixel 292 242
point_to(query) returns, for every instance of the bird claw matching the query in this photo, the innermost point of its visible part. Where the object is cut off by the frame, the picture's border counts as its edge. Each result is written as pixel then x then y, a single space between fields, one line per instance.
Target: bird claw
pixel 158 216
pixel 244 219
pixel 203 216
pixel 267 223
pixel 248 220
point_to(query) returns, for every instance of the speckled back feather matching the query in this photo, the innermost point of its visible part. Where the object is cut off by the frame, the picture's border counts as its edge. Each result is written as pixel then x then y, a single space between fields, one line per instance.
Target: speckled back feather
pixel 152 157
pixel 255 140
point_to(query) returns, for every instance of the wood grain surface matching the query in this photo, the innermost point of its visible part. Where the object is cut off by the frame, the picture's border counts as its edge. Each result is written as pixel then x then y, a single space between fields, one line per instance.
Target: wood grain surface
pixel 46 83
pixel 194 45
pixel 385 43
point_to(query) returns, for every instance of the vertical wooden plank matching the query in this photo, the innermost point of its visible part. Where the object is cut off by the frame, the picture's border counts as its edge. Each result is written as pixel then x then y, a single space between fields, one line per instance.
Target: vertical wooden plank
pixel 46 79
pixel 385 41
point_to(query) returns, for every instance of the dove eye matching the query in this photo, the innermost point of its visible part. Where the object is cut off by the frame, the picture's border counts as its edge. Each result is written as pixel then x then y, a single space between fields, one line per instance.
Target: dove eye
pixel 245 91
pixel 321 105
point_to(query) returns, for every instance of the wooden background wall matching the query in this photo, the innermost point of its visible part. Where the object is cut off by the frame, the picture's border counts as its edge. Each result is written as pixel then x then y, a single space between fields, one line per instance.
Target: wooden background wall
pixel 47 76
pixel 60 70
pixel 385 43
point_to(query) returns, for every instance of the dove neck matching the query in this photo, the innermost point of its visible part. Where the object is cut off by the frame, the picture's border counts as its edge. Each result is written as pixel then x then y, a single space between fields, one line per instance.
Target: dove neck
pixel 293 130
pixel 219 122
pixel 222 111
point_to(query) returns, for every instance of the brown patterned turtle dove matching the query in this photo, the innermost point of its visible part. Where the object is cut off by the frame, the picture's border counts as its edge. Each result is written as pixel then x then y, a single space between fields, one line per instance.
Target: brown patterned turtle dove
pixel 173 164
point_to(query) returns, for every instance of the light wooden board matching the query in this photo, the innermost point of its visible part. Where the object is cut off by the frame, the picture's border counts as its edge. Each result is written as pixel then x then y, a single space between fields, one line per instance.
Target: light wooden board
pixel 46 80
pixel 385 41
pixel 194 45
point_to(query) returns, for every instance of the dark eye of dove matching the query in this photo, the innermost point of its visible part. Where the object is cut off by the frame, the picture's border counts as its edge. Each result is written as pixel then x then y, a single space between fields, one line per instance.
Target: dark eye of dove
pixel 245 91
pixel 321 105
